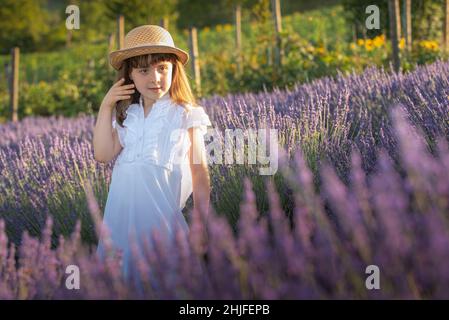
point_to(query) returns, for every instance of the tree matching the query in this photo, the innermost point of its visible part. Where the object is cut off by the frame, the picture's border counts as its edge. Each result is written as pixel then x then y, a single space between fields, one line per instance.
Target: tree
pixel 218 12
pixel 94 20
pixel 427 17
pixel 139 12
pixel 23 23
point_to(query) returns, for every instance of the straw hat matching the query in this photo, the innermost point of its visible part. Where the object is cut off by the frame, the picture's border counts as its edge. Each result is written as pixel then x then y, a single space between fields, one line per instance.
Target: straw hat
pixel 144 40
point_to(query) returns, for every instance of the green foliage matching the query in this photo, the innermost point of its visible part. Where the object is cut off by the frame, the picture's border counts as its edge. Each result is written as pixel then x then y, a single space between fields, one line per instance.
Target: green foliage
pixel 218 12
pixel 23 23
pixel 315 43
pixel 222 11
pixel 96 25
pixel 427 17
pixel 70 86
pixel 140 12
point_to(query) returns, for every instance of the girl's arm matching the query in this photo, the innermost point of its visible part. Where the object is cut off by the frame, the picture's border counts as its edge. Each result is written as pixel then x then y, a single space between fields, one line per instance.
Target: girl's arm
pixel 105 141
pixel 200 172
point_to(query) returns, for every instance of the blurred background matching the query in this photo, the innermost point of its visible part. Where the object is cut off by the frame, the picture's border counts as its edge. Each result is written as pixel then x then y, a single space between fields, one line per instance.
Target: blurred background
pixel 361 116
pixel 66 72
pixel 312 70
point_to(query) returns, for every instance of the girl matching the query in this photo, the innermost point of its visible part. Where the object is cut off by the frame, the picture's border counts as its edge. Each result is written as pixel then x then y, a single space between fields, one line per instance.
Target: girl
pixel 157 137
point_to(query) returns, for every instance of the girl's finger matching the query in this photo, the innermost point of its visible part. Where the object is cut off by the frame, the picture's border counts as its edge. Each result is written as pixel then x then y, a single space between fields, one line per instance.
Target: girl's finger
pixel 119 82
pixel 123 97
pixel 121 92
pixel 126 86
pixel 123 88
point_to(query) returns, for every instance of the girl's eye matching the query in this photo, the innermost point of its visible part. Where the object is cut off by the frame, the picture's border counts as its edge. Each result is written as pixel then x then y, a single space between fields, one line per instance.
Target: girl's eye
pixel 161 68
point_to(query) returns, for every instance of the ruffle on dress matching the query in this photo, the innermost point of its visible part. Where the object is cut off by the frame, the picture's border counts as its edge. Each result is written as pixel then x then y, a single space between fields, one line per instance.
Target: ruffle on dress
pixel 162 137
pixel 140 135
pixel 121 132
pixel 151 128
pixel 197 117
pixel 129 135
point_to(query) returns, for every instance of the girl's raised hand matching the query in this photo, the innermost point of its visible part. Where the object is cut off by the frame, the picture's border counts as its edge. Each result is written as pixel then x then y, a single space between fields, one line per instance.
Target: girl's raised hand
pixel 118 92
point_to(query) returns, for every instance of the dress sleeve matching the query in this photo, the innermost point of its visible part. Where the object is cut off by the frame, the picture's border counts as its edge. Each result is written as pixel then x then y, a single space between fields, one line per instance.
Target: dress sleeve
pixel 120 131
pixel 197 118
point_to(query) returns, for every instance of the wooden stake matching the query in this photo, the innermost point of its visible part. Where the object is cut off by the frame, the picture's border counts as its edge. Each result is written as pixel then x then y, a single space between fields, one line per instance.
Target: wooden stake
pixel 195 58
pixel 164 23
pixel 446 26
pixel 398 18
pixel 14 84
pixel 121 31
pixel 111 42
pixel 408 24
pixel 111 47
pixel 276 8
pixel 392 12
pixel 68 39
pixel 7 74
pixel 238 37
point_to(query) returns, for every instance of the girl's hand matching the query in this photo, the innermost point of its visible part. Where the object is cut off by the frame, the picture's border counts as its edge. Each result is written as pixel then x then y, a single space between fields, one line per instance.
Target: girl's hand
pixel 118 92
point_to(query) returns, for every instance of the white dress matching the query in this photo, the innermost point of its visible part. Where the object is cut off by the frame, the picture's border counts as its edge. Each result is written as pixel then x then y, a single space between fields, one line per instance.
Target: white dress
pixel 151 178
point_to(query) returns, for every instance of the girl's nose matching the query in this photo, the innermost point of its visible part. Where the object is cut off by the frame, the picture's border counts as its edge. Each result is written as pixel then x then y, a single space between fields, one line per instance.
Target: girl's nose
pixel 154 75
pixel 153 70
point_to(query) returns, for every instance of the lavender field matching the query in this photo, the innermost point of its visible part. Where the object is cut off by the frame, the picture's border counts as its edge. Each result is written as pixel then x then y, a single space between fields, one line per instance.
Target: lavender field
pixel 363 180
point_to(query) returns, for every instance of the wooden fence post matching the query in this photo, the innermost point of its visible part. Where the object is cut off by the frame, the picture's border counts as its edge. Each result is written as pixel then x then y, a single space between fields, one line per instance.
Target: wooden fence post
pixel 354 32
pixel 408 24
pixel 121 31
pixel 276 8
pixel 14 83
pixel 270 56
pixel 195 58
pixel 446 26
pixel 238 37
pixel 164 23
pixel 392 12
pixel 68 39
pixel 398 18
pixel 111 47
pixel 111 42
pixel 7 74
pixel 69 34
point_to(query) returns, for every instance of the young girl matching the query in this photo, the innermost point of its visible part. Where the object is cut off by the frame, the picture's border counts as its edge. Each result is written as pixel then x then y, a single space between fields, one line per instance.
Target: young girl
pixel 157 137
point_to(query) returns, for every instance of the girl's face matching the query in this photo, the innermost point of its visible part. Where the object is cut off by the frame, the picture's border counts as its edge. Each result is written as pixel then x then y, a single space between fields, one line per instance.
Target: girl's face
pixel 153 81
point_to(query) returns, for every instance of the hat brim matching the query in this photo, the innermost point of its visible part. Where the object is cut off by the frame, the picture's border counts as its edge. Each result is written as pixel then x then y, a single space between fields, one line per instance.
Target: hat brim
pixel 116 57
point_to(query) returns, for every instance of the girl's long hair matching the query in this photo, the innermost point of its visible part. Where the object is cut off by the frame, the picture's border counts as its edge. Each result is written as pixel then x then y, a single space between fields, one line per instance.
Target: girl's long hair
pixel 179 91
